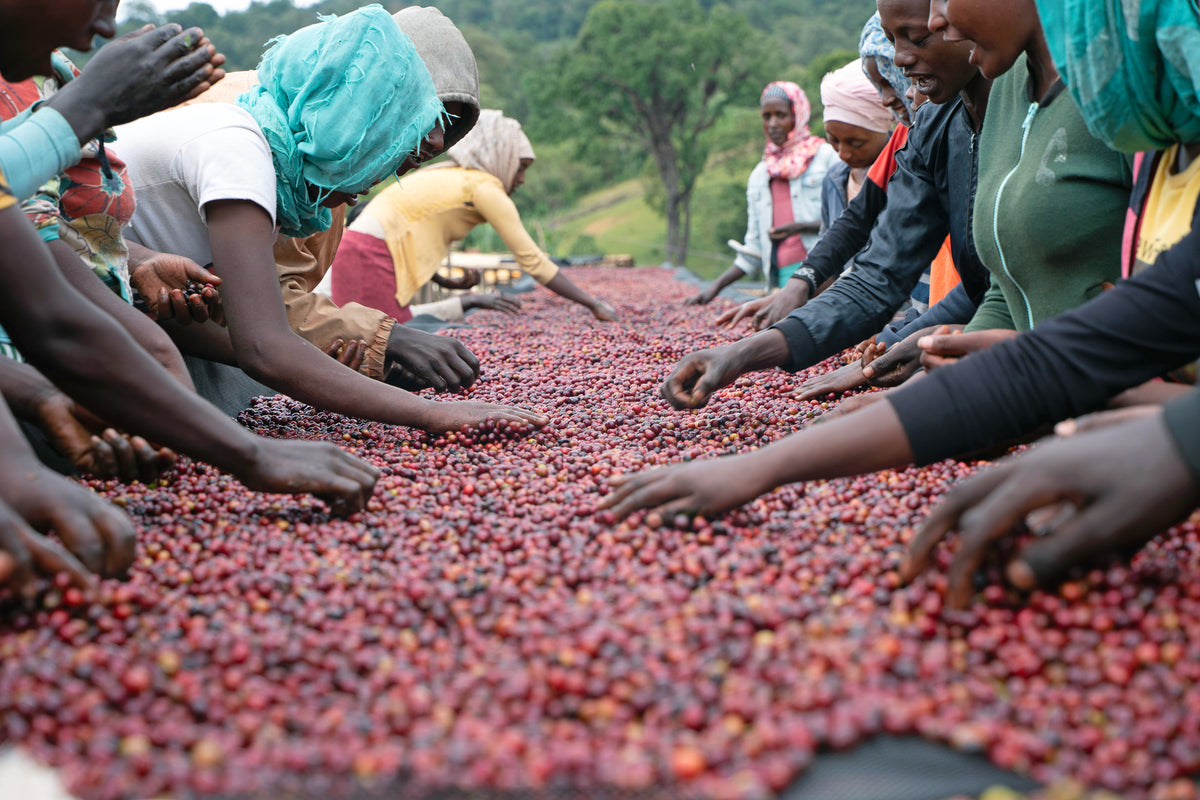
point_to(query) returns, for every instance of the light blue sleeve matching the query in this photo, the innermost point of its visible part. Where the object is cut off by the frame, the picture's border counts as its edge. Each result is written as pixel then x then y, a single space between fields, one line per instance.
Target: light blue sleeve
pixel 34 147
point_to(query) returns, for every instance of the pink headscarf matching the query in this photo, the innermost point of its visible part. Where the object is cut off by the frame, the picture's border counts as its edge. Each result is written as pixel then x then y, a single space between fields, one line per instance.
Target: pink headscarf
pixel 792 159
pixel 850 97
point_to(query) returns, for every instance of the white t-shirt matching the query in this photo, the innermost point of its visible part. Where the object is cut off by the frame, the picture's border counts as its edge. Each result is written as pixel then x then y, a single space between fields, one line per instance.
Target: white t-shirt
pixel 183 158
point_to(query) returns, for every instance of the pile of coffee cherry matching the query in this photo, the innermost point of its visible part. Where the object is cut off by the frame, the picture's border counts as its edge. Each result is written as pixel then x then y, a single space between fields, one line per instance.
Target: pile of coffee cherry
pixel 481 626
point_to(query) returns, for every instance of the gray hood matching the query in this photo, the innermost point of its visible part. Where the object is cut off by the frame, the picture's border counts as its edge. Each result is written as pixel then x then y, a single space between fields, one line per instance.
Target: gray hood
pixel 449 60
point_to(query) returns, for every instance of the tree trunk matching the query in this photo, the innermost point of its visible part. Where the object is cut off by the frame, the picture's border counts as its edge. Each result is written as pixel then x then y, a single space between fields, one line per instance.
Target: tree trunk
pixel 676 243
pixel 677 199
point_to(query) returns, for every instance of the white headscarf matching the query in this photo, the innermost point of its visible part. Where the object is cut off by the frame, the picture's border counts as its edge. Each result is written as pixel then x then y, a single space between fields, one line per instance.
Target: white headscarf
pixel 496 146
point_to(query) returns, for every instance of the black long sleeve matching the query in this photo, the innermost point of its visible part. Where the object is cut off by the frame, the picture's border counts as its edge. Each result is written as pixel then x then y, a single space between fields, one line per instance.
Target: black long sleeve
pixel 1067 366
pixel 929 196
pixel 846 235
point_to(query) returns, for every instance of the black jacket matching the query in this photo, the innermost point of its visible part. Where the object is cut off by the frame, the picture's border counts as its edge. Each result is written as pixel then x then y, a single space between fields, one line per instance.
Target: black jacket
pixel 930 196
pixel 1068 366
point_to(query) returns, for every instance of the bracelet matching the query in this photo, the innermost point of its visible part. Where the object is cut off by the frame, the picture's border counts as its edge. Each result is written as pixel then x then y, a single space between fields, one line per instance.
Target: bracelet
pixel 809 276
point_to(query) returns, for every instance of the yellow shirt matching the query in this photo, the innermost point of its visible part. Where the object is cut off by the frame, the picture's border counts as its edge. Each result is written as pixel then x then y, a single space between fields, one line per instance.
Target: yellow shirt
pixel 1166 219
pixel 1170 207
pixel 6 196
pixel 424 213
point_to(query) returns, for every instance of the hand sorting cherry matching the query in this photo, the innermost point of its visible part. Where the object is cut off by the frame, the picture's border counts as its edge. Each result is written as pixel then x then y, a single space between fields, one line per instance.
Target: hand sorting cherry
pixel 480 626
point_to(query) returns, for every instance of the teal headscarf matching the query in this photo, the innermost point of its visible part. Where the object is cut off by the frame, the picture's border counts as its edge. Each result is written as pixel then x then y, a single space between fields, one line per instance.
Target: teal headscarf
pixel 342 103
pixel 1131 65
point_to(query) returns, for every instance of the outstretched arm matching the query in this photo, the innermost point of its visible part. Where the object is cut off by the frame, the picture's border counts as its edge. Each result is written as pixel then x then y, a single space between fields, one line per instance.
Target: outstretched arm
pixel 494 205
pixel 83 351
pixel 868 440
pixel 1065 367
pixel 242 234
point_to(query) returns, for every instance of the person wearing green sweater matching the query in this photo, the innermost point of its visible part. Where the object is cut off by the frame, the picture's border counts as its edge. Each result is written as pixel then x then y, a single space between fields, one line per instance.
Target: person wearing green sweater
pixel 1049 206
pixel 1048 213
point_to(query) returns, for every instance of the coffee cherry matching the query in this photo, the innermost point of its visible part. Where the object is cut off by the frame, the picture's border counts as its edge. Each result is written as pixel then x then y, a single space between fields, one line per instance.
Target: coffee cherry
pixel 477 628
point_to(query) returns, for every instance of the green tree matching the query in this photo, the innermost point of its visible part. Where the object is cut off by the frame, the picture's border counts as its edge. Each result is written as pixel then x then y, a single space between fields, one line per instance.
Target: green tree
pixel 663 73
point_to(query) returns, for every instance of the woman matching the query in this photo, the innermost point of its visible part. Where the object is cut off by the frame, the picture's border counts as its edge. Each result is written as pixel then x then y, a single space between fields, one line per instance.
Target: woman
pixel 1064 367
pixel 440 362
pixel 215 181
pixel 928 197
pixel 858 127
pixel 877 55
pixel 783 194
pixel 397 243
pixel 843 238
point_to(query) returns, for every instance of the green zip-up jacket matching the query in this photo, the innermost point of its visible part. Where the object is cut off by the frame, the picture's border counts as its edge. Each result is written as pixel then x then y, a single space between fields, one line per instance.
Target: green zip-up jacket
pixel 1050 207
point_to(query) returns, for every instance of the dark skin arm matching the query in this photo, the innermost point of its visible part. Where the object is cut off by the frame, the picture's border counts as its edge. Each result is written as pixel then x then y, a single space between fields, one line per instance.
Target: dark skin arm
pixel 87 355
pixel 152 339
pixel 267 349
pixel 563 286
pixel 709 293
pixel 870 440
pixel 793 228
pixel 210 342
pixel 698 375
pixel 469 279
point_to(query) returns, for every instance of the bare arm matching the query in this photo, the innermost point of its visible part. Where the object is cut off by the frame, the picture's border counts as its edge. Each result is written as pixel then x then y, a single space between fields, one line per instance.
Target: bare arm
pixel 242 236
pixel 152 339
pixel 706 295
pixel 86 354
pixel 868 440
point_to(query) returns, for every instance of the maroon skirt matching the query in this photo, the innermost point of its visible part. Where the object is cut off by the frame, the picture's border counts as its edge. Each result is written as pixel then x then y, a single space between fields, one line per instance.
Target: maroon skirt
pixel 363 272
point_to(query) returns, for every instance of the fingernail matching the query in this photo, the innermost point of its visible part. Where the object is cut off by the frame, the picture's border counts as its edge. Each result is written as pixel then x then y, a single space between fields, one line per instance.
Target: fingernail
pixel 1066 428
pixel 925 342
